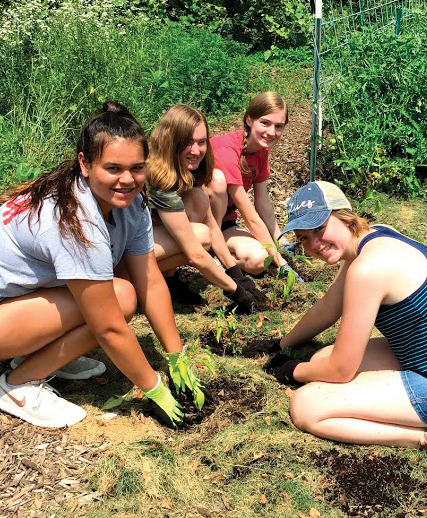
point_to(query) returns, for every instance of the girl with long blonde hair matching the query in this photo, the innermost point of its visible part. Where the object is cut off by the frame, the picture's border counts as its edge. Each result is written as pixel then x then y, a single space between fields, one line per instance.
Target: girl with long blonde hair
pixel 180 168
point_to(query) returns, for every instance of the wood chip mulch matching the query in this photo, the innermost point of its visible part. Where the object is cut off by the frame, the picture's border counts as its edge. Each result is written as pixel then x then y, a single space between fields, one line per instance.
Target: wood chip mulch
pixel 41 467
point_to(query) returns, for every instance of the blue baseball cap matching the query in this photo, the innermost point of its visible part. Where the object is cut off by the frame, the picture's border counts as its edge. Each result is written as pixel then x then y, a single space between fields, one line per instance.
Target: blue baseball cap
pixel 311 205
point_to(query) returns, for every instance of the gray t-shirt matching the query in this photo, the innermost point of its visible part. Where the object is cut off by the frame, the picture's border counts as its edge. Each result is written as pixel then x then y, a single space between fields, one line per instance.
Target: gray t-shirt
pixel 39 257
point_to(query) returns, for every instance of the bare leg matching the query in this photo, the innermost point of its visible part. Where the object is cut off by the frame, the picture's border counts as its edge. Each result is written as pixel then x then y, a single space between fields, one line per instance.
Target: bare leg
pixel 218 195
pixel 247 251
pixel 167 251
pixel 56 338
pixel 373 408
pixel 196 205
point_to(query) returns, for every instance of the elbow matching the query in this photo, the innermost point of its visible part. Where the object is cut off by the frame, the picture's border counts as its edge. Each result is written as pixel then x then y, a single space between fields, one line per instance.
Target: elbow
pixel 343 374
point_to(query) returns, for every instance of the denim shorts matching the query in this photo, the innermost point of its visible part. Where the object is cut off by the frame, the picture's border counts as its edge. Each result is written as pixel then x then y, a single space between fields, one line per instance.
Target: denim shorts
pixel 416 387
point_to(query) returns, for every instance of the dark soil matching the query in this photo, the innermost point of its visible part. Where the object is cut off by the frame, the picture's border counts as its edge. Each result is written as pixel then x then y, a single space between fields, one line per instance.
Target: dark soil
pixel 371 485
pixel 222 348
pixel 234 400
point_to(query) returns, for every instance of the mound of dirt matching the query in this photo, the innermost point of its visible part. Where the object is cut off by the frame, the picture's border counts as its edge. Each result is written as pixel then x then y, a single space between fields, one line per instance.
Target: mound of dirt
pixel 371 485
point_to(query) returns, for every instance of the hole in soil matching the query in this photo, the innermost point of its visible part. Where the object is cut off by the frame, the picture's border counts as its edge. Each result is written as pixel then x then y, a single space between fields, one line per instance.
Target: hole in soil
pixel 233 400
pixel 372 485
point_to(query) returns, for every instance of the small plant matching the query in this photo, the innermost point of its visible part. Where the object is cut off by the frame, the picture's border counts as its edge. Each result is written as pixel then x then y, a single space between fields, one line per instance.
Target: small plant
pixel 284 271
pixel 224 321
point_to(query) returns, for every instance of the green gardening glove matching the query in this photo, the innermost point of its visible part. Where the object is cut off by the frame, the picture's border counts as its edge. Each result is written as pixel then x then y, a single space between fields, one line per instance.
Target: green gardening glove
pixel 165 406
pixel 183 377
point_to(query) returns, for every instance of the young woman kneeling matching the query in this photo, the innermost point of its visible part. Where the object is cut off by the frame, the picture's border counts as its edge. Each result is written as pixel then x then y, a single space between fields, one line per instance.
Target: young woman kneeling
pixel 360 390
pixel 62 235
pixel 242 162
pixel 180 168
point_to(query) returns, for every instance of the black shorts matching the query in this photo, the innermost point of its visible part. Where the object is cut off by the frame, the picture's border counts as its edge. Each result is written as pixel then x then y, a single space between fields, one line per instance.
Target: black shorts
pixel 228 224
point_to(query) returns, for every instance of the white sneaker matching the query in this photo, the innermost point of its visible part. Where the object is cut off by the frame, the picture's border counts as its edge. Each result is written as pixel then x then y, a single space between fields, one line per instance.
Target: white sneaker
pixel 38 403
pixel 81 369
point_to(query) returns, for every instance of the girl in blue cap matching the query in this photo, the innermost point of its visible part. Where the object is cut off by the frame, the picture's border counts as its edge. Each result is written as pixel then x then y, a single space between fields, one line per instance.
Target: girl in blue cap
pixel 360 390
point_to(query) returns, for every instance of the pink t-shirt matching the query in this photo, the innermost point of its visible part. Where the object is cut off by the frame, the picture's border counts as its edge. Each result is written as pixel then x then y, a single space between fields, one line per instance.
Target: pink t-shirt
pixel 227 150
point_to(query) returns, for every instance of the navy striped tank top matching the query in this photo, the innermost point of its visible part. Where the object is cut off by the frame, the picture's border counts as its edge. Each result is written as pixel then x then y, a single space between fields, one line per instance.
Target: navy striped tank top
pixel 404 324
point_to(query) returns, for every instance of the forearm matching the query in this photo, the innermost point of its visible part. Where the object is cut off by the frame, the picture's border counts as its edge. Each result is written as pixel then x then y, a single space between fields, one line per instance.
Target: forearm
pixel 122 347
pixel 157 307
pixel 310 325
pixel 266 213
pixel 219 246
pixel 204 262
pixel 323 369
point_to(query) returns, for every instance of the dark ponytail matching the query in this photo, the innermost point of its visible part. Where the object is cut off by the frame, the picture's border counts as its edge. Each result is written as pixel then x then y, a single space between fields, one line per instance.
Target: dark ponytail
pixel 114 120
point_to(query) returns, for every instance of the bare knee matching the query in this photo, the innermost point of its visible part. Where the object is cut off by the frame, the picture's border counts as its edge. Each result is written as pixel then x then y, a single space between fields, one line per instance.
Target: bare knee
pixel 126 296
pixel 203 234
pixel 218 195
pixel 303 407
pixel 253 261
pixel 218 185
pixel 196 204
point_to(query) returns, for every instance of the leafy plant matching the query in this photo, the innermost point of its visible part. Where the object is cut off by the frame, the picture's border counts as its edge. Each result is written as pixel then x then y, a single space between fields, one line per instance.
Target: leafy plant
pixel 284 270
pixel 224 321
pixel 376 113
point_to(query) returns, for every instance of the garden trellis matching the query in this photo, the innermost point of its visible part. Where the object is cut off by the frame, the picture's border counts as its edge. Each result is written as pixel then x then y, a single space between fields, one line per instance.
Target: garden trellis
pixel 336 22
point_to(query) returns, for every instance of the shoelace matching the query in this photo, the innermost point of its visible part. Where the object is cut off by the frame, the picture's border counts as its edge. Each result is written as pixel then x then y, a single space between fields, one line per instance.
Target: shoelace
pixel 43 385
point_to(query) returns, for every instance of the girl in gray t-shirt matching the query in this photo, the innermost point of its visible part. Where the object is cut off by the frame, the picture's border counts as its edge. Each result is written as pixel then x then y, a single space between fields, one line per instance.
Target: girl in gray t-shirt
pixel 62 235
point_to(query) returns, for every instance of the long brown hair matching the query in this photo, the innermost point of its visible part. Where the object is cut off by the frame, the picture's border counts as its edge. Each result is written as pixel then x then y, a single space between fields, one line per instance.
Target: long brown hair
pixel 114 120
pixel 173 133
pixel 260 105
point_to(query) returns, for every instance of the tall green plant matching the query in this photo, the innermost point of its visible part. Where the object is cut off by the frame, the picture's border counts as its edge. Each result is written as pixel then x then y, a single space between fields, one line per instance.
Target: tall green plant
pixel 377 112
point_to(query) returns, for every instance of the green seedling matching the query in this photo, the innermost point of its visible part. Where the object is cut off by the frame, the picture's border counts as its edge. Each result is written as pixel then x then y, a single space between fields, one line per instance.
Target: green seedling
pixel 223 321
pixel 180 370
pixel 283 272
pixel 287 288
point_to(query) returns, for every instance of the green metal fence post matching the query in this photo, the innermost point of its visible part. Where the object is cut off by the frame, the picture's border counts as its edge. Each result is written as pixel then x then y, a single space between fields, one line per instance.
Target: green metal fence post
pixel 362 13
pixel 398 20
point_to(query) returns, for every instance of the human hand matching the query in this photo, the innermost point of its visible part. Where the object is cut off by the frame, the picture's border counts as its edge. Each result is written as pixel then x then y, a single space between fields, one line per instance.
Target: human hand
pixel 243 299
pixel 248 284
pixel 259 347
pixel 282 367
pixel 164 405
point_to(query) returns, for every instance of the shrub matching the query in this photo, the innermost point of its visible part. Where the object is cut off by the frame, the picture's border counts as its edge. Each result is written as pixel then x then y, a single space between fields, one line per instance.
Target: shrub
pixel 377 112
pixel 59 63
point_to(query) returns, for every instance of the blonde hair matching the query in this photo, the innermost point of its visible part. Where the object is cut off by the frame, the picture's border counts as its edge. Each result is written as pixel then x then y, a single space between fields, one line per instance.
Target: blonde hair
pixel 260 105
pixel 355 223
pixel 173 133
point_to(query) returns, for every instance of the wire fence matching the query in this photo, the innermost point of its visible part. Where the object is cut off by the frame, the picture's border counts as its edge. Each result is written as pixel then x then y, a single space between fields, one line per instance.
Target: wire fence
pixel 337 22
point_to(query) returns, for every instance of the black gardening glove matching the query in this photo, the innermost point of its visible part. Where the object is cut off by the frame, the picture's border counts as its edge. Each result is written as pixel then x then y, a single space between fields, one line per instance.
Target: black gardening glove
pixel 243 299
pixel 257 348
pixel 248 284
pixel 282 367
